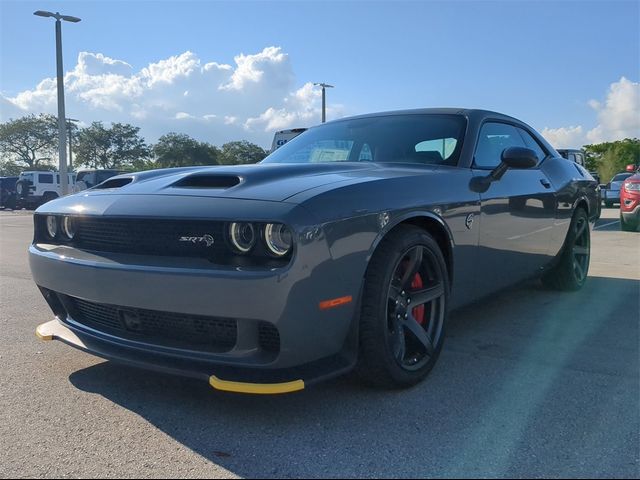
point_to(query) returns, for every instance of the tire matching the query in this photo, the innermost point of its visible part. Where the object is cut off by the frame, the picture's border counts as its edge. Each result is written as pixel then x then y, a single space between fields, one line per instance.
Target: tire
pixel 608 204
pixel 22 188
pixel 570 273
pixel 400 341
pixel 10 202
pixel 47 197
pixel 631 226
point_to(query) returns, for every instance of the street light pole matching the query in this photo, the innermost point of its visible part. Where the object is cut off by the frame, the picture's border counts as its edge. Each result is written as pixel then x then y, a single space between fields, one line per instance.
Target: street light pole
pixel 71 126
pixel 62 134
pixel 324 99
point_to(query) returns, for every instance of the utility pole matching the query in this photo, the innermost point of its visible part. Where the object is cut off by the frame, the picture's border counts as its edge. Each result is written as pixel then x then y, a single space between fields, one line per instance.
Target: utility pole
pixel 324 99
pixel 62 134
pixel 70 127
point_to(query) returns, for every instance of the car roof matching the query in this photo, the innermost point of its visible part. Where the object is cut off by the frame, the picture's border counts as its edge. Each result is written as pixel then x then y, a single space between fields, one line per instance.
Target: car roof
pixel 467 112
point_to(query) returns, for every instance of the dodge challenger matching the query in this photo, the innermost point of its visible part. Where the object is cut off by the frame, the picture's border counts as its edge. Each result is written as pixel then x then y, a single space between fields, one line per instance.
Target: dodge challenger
pixel 344 249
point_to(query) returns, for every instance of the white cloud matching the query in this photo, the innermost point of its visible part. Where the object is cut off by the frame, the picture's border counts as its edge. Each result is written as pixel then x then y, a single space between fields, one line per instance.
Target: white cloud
pixel 211 101
pixel 564 137
pixel 618 117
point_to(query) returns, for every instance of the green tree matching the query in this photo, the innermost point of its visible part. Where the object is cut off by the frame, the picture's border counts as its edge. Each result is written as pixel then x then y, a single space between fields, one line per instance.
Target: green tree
pixel 9 168
pixel 610 158
pixel 240 153
pixel 180 150
pixel 120 146
pixel 29 141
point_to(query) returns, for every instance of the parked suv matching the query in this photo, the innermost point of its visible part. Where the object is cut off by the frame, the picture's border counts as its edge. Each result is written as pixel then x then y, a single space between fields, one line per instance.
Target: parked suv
pixel 630 203
pixel 38 187
pixel 8 192
pixel 90 178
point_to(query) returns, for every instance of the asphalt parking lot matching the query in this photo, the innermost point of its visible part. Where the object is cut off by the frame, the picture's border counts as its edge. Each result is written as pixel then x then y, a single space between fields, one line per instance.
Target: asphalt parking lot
pixel 531 383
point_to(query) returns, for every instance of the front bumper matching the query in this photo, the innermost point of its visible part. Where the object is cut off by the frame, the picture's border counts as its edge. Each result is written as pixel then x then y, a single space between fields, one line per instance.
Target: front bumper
pixel 314 344
pixel 221 378
pixel 631 216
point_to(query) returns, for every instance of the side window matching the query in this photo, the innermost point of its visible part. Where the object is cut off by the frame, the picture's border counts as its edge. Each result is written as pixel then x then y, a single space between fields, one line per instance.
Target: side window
pixel 45 177
pixel 436 151
pixel 531 143
pixel 580 159
pixel 494 138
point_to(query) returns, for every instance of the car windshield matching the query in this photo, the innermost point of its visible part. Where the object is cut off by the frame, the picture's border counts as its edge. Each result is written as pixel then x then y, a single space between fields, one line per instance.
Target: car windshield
pixel 621 177
pixel 412 138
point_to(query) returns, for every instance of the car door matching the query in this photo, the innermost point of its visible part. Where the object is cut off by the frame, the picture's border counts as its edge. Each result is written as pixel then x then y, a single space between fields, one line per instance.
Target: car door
pixel 517 211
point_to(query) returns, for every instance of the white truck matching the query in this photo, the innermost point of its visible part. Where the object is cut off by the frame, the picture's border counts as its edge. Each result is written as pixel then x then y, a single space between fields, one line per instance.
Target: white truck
pixel 283 136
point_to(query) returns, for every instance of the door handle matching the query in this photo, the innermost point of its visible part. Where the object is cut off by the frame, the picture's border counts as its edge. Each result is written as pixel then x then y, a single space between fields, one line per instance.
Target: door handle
pixel 545 183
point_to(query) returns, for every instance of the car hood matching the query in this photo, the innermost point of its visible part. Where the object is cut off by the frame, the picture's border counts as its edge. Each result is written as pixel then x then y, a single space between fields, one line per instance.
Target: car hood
pixel 616 185
pixel 267 182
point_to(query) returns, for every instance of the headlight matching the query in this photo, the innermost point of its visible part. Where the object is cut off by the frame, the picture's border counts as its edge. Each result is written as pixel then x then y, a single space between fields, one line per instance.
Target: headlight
pixel 52 226
pixel 278 239
pixel 69 227
pixel 243 236
pixel 632 187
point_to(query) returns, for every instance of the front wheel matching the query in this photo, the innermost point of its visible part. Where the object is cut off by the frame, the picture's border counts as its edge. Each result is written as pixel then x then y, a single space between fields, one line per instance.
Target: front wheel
pixel 571 271
pixel 404 308
pixel 630 226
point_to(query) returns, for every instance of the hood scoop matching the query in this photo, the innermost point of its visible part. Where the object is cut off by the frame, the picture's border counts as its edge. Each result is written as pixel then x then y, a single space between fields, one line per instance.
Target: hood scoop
pixel 208 181
pixel 114 183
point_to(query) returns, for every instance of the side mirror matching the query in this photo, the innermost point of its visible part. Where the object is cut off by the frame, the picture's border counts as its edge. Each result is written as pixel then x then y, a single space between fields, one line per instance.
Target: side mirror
pixel 519 157
pixel 514 157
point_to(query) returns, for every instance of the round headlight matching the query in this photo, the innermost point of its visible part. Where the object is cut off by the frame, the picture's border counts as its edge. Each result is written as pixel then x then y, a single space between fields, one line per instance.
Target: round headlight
pixel 52 226
pixel 243 236
pixel 69 227
pixel 278 239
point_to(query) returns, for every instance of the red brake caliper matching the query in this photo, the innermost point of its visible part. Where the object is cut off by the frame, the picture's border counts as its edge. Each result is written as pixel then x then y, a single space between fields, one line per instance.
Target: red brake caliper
pixel 418 312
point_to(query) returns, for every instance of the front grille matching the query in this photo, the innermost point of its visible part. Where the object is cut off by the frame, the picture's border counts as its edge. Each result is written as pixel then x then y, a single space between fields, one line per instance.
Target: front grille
pixel 269 337
pixel 151 237
pixel 200 239
pixel 177 330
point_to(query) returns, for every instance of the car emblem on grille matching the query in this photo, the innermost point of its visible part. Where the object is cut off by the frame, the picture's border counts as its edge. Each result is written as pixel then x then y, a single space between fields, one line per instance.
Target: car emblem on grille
pixel 206 239
pixel 131 320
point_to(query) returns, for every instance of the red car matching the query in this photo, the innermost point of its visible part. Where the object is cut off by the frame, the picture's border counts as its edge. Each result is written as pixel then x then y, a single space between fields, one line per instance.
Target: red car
pixel 630 203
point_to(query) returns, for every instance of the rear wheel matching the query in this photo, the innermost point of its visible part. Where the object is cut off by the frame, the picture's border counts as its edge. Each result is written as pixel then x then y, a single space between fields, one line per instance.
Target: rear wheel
pixel 571 271
pixel 404 308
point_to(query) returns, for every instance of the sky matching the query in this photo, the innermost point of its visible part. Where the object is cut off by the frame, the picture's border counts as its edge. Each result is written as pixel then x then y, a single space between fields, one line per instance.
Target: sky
pixel 222 71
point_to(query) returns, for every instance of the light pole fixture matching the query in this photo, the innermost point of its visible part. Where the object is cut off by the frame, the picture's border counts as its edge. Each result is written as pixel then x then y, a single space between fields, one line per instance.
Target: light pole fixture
pixel 324 99
pixel 70 126
pixel 62 134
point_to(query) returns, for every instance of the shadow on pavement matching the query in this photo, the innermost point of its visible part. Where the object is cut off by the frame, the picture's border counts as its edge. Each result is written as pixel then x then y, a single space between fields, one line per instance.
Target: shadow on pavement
pixel 531 382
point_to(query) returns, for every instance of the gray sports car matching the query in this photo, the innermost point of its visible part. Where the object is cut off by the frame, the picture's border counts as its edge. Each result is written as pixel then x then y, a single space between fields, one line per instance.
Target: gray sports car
pixel 345 248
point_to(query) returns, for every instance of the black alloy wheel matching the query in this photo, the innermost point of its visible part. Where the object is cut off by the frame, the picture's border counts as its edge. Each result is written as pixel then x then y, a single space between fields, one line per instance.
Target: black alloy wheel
pixel 572 267
pixel 404 309
pixel 415 308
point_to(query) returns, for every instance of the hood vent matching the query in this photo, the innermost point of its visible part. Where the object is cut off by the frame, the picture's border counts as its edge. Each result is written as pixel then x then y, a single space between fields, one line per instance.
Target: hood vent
pixel 208 181
pixel 114 183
